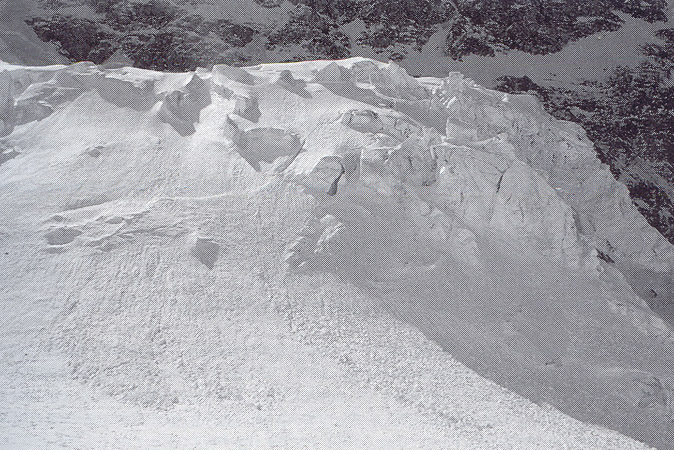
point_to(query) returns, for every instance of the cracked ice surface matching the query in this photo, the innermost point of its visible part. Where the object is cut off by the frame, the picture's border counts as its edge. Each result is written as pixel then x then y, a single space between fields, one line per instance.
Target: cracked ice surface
pixel 322 254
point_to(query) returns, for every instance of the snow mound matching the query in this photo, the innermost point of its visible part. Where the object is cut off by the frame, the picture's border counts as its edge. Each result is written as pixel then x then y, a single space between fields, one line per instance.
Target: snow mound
pixel 318 242
pixel 223 72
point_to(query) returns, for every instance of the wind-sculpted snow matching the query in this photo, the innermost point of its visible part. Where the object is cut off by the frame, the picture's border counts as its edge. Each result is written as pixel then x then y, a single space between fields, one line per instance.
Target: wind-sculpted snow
pixel 259 145
pixel 181 107
pixel 219 243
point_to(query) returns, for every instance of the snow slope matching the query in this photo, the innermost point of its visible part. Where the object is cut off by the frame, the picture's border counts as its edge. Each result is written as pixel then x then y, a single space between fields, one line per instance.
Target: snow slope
pixel 18 42
pixel 306 255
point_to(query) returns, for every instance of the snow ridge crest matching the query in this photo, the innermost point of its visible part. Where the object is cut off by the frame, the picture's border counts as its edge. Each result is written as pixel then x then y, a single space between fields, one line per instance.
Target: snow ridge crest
pixel 365 134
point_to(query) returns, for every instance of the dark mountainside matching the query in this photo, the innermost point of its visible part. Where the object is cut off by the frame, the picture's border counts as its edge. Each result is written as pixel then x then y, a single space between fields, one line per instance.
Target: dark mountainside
pixel 163 35
pixel 630 118
pixel 629 115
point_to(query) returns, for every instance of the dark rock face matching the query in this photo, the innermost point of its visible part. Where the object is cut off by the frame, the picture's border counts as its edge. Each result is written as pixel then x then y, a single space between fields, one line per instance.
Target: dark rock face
pixel 318 35
pixel 79 39
pixel 155 35
pixel 394 29
pixel 483 26
pixel 630 118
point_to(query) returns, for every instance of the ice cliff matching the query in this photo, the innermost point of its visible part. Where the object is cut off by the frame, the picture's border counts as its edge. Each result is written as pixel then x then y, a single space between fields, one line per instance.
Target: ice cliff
pixel 168 228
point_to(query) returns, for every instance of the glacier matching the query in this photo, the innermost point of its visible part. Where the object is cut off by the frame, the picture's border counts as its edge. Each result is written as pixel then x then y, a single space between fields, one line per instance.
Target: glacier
pixel 322 254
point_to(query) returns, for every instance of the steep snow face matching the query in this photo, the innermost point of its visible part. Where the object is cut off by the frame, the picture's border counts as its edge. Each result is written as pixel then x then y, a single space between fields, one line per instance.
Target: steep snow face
pixel 265 245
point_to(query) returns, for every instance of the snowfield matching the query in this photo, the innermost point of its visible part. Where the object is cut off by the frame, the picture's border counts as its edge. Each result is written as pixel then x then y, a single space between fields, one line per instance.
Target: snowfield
pixel 318 255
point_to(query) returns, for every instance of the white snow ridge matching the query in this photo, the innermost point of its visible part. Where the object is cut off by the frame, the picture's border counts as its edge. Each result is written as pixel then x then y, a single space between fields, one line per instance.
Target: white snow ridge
pixel 318 255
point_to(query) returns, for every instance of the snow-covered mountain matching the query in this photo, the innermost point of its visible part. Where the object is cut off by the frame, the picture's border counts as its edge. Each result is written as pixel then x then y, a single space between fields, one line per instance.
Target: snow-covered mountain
pixel 319 254
pixel 555 44
pixel 428 37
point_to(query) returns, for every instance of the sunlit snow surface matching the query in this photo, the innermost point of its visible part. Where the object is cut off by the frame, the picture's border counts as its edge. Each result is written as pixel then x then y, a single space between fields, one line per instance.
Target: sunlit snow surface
pixel 293 255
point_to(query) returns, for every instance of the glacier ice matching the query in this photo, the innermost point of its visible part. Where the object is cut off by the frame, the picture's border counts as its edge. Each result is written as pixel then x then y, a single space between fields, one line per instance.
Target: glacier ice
pixel 230 242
